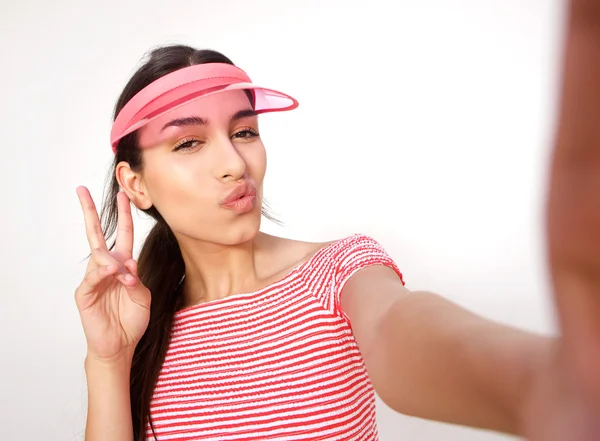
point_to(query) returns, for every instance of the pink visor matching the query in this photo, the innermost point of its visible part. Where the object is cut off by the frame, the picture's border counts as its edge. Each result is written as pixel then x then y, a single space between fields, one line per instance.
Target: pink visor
pixel 190 83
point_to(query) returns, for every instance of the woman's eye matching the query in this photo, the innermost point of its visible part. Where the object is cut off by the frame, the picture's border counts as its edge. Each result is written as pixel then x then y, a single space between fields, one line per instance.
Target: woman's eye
pixel 185 145
pixel 246 134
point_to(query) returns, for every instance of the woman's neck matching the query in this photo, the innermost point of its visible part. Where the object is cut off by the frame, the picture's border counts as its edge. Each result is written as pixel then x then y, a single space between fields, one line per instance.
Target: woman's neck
pixel 214 271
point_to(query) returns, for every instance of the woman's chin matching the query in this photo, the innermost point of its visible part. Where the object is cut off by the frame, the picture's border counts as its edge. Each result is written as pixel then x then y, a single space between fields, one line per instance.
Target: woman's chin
pixel 245 230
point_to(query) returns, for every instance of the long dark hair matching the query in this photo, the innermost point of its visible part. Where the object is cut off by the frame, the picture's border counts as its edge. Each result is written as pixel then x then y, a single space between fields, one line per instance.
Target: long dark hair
pixel 160 263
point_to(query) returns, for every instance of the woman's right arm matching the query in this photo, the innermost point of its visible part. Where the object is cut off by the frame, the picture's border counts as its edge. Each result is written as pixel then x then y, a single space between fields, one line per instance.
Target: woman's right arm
pixel 114 307
pixel 109 411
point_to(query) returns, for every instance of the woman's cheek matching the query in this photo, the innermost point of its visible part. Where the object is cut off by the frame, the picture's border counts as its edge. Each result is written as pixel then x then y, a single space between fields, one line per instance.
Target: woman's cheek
pixel 256 161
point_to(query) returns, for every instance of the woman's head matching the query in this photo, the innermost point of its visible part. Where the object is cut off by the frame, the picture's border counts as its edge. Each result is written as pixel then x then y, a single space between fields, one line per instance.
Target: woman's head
pixel 192 159
pixel 181 167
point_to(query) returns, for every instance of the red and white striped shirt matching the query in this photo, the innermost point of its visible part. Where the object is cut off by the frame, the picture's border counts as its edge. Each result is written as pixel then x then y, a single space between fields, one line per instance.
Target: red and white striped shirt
pixel 280 363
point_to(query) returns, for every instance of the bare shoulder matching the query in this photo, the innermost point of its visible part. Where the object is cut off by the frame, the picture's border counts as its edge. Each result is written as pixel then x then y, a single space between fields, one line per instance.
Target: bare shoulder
pixel 279 254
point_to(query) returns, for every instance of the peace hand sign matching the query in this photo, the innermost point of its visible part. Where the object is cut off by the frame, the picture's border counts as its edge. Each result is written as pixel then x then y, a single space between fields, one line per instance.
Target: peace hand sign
pixel 113 303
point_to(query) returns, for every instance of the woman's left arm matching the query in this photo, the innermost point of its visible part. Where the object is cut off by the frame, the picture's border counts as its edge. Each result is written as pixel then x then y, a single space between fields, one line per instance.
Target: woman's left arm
pixel 430 358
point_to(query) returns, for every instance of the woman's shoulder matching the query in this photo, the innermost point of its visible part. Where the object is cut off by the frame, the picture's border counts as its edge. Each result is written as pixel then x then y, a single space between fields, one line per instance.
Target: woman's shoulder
pixel 285 254
pixel 288 253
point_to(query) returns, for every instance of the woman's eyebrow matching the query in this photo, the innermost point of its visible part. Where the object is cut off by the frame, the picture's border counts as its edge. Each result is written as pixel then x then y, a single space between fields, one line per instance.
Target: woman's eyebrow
pixel 200 121
pixel 186 121
pixel 245 113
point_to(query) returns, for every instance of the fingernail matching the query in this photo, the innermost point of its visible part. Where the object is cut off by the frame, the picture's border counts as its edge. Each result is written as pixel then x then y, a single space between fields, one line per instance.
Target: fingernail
pixel 128 277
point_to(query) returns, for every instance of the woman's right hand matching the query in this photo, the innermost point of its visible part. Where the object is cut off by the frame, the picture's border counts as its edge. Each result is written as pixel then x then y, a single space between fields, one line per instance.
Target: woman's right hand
pixel 113 303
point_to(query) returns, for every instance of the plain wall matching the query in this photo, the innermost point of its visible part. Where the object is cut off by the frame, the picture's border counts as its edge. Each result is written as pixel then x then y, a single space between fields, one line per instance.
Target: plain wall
pixel 426 125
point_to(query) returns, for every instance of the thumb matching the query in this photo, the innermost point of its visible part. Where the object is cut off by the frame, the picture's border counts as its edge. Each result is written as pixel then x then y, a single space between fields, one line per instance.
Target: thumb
pixel 138 293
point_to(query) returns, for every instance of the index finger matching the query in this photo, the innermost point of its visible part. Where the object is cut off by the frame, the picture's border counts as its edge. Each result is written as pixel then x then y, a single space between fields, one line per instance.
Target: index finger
pixel 93 229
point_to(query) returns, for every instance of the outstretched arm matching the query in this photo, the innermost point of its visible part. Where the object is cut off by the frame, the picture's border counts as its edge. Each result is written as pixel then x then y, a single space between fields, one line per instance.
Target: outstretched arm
pixel 430 358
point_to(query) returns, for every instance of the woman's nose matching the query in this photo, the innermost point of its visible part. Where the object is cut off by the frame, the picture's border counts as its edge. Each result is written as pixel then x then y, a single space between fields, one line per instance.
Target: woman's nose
pixel 230 165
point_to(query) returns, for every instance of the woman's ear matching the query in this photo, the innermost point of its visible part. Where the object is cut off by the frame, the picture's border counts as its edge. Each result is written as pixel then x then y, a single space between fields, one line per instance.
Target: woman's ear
pixel 133 185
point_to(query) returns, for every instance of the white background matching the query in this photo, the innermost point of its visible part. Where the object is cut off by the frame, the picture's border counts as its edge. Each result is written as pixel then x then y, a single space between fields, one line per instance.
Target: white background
pixel 424 124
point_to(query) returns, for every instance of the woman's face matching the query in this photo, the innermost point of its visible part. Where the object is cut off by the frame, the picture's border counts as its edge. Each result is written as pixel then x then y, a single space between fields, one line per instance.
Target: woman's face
pixel 194 157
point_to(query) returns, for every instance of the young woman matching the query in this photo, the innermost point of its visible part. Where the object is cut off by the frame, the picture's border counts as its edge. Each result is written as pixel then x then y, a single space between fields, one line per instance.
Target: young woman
pixel 219 331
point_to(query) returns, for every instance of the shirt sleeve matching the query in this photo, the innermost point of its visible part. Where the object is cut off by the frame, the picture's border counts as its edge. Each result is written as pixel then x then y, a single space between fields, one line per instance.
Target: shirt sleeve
pixel 353 254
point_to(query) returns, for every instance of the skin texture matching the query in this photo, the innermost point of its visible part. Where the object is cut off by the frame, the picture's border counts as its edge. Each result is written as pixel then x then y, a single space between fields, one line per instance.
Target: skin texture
pixel 426 356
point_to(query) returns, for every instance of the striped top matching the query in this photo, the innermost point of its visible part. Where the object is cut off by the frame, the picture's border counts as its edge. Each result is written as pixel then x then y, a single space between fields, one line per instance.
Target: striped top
pixel 280 363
